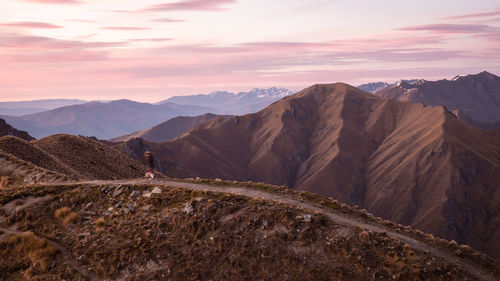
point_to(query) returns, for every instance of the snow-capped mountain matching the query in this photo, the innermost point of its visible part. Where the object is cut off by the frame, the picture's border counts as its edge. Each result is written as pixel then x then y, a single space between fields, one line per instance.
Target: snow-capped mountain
pixel 379 86
pixel 234 103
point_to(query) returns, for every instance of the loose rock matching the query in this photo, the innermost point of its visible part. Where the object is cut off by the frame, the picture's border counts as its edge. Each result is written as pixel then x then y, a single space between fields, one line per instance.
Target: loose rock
pixel 188 209
pixel 119 190
pixel 156 190
pixel 134 194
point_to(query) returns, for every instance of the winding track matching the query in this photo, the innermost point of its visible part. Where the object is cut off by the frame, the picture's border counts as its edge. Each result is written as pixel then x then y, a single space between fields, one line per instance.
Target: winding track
pixel 253 193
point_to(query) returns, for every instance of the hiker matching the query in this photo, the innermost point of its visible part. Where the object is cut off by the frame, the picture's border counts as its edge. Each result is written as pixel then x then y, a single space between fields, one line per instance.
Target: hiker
pixel 150 161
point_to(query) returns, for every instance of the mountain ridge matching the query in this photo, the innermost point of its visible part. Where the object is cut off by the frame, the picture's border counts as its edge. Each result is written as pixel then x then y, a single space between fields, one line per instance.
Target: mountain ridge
pixel 234 103
pixel 476 95
pixel 389 156
pixel 169 129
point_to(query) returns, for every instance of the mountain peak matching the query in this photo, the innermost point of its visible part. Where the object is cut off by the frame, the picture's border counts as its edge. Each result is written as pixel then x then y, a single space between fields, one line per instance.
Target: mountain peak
pixel 477 95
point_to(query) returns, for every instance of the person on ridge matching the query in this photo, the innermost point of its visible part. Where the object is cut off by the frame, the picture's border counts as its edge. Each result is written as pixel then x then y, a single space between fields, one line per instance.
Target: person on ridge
pixel 150 161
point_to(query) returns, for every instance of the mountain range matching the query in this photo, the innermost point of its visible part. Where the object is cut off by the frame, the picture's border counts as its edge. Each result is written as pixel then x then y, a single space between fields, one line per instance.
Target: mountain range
pixel 234 103
pixel 378 86
pixel 102 120
pixel 106 120
pixel 476 96
pixel 19 108
pixel 414 164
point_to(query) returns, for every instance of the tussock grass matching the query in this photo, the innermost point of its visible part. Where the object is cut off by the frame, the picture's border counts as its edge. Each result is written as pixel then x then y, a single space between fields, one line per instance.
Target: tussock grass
pixel 62 212
pixel 100 222
pixel 66 216
pixel 26 251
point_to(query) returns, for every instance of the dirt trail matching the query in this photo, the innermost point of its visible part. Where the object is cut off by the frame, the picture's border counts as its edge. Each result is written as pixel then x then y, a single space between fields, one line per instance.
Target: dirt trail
pixel 336 217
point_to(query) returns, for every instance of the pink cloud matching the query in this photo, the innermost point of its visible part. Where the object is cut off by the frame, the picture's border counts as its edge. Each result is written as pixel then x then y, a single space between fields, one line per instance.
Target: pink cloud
pixel 83 20
pixel 54 1
pixel 477 15
pixel 150 39
pixel 451 28
pixel 18 41
pixel 55 56
pixel 168 20
pixel 130 28
pixel 272 57
pixel 195 5
pixel 31 24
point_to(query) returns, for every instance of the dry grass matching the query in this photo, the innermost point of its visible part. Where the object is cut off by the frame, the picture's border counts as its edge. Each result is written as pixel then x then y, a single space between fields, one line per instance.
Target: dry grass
pixel 27 251
pixel 66 216
pixel 4 181
pixel 62 212
pixel 100 222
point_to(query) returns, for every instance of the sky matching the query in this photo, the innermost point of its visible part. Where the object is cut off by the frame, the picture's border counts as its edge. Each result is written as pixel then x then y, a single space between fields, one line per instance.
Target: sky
pixel 150 50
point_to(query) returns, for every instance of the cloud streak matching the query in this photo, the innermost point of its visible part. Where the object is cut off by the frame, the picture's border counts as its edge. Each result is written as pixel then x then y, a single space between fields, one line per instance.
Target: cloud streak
pixel 169 20
pixel 451 28
pixel 54 1
pixel 191 5
pixel 19 41
pixel 475 15
pixel 31 24
pixel 126 28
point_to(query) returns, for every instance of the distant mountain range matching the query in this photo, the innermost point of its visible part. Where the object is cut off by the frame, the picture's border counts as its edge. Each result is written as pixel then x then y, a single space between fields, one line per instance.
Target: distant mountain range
pixel 122 117
pixel 102 120
pixel 414 164
pixel 19 108
pixel 234 103
pixel 378 86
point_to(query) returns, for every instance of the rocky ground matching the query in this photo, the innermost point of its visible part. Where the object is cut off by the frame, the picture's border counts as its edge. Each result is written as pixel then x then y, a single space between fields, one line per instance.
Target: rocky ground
pixel 133 230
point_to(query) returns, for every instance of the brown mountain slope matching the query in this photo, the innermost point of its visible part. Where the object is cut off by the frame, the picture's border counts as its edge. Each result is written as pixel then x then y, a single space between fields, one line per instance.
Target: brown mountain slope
pixel 402 161
pixel 8 130
pixel 170 129
pixel 14 172
pixel 75 157
pixel 92 159
pixel 491 126
pixel 477 95
pixel 29 152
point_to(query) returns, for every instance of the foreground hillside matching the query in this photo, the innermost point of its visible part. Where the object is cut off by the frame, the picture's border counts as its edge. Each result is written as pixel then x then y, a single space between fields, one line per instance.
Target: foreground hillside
pixel 128 230
pixel 416 165
pixel 72 156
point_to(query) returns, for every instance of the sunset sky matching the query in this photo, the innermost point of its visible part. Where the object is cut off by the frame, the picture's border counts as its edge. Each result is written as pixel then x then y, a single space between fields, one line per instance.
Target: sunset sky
pixel 150 50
